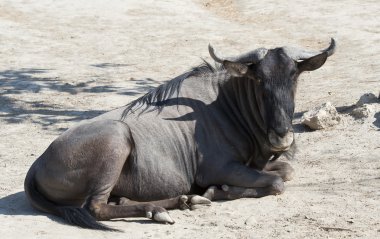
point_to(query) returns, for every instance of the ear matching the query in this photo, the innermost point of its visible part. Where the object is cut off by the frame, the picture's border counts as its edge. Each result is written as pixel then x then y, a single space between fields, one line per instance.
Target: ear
pixel 236 69
pixel 313 63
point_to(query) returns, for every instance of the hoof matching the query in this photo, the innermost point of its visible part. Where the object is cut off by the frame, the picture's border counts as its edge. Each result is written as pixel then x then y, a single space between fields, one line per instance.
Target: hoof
pixel 163 217
pixel 193 202
pixel 149 215
pixel 183 202
pixel 225 188
pixel 184 198
pixel 199 200
pixel 278 187
pixel 199 206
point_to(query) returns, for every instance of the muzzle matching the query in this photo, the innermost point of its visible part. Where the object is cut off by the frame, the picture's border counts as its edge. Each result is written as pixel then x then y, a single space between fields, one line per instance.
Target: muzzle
pixel 280 143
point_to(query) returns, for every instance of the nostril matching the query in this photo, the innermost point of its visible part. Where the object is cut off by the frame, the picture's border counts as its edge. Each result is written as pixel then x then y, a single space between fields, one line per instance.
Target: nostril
pixel 283 131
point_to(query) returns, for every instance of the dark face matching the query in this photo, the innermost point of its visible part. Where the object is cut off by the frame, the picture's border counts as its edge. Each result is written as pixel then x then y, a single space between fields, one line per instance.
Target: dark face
pixel 276 77
pixel 276 80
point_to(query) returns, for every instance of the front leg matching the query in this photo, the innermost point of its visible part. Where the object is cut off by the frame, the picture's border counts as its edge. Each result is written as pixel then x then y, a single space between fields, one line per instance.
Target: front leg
pixel 226 192
pixel 244 182
pixel 237 174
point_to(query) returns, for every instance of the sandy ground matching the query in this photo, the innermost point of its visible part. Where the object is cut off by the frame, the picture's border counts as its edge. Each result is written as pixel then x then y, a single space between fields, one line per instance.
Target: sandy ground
pixel 65 61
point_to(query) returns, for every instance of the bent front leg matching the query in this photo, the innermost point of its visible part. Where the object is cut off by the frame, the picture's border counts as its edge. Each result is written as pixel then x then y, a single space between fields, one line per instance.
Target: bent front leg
pixel 240 181
pixel 239 175
pixel 226 192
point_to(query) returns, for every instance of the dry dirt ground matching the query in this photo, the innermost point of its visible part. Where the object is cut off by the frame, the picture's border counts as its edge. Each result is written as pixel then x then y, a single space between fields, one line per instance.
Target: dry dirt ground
pixel 64 61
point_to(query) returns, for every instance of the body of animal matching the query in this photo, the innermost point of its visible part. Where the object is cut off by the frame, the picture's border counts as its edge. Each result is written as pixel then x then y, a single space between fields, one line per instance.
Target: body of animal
pixel 213 131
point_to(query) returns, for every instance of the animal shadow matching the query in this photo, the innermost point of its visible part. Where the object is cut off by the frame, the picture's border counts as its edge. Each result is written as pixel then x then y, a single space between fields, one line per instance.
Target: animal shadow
pixel 17 205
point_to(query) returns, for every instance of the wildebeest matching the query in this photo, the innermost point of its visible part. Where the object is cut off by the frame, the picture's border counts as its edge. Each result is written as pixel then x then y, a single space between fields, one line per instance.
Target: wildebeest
pixel 214 131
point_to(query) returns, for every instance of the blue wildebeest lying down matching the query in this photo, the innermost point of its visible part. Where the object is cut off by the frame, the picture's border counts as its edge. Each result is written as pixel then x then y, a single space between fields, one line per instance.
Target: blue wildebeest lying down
pixel 210 131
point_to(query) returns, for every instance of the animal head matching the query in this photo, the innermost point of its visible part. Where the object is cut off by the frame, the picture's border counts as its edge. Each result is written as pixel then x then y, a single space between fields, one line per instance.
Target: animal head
pixel 275 73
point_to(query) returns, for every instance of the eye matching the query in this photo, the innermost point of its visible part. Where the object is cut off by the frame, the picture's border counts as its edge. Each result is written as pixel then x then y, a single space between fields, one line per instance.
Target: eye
pixel 257 80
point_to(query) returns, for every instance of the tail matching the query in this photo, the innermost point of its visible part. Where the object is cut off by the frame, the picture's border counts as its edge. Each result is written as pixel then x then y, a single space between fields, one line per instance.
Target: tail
pixel 73 215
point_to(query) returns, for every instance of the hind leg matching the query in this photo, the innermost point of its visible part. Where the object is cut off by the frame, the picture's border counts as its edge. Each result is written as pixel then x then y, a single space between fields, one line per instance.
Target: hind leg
pixel 180 202
pixel 103 211
pixel 80 169
pixel 115 147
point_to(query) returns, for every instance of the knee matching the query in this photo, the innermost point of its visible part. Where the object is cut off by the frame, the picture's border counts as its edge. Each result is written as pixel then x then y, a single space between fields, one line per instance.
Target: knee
pixel 96 209
pixel 277 186
pixel 289 174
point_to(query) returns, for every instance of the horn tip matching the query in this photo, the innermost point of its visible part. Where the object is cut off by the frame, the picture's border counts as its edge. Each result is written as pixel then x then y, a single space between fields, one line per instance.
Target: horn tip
pixel 210 48
pixel 212 54
pixel 333 41
pixel 331 49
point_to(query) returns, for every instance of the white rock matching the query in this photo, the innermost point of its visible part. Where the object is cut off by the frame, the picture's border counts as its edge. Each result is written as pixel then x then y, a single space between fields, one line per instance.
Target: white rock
pixel 321 117
pixel 364 111
pixel 368 98
pixel 250 221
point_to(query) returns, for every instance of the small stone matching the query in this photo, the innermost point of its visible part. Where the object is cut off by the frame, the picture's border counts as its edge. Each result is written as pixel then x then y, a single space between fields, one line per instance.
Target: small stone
pixel 324 116
pixel 368 98
pixel 250 221
pixel 364 111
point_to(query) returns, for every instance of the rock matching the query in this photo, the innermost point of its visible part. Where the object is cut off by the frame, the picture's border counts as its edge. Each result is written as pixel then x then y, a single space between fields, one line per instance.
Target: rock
pixel 368 98
pixel 364 111
pixel 250 221
pixel 321 117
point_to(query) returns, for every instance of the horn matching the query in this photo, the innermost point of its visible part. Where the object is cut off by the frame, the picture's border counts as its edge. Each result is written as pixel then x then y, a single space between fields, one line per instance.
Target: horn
pixel 250 57
pixel 213 56
pixel 297 54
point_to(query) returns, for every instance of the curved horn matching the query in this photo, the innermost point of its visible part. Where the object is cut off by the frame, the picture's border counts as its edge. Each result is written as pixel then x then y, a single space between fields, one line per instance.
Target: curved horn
pixel 213 56
pixel 250 57
pixel 331 49
pixel 297 54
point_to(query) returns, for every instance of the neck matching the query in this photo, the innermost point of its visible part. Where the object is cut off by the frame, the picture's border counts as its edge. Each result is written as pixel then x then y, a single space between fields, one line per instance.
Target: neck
pixel 238 97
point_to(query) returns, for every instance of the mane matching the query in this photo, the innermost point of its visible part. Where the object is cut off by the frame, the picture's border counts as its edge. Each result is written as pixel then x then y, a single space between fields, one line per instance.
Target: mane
pixel 157 96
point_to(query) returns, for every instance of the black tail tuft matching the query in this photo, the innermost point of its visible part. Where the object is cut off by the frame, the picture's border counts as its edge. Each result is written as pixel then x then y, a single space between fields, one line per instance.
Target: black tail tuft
pixel 81 217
